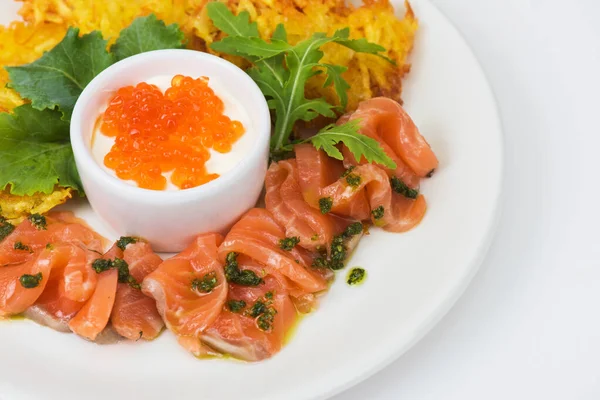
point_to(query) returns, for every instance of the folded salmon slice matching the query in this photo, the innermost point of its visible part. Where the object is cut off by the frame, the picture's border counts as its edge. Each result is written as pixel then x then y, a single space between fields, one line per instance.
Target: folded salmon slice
pixel 399 213
pixel 186 309
pixel 14 296
pixel 93 317
pixel 386 121
pixel 285 202
pixel 134 314
pixel 316 171
pixel 246 332
pixel 257 235
pixel 12 248
pixel 71 283
pixel 27 240
pixel 398 130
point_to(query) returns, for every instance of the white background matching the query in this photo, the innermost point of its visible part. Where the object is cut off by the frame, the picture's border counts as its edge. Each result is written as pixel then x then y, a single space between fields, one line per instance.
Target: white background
pixel 528 327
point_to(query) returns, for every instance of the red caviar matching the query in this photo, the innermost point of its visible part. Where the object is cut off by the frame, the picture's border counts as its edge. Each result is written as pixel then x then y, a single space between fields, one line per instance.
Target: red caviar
pixel 156 133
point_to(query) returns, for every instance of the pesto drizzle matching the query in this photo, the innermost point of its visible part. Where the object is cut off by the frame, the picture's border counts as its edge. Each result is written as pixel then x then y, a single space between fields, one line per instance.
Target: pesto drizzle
pixel 289 243
pixel 338 251
pixel 325 204
pixel 6 228
pixel 234 274
pixel 20 246
pixel 100 265
pixel 206 284
pixel 378 212
pixel 30 281
pixel 356 276
pixel 39 221
pixel 401 188
pixel 124 241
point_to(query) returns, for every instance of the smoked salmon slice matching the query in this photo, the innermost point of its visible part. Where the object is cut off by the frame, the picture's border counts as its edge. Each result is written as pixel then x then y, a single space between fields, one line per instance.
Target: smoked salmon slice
pixel 258 235
pixel 190 289
pixel 71 283
pixel 29 238
pixel 386 121
pixel 316 171
pixel 134 314
pixel 93 317
pixel 22 284
pixel 285 202
pixel 256 319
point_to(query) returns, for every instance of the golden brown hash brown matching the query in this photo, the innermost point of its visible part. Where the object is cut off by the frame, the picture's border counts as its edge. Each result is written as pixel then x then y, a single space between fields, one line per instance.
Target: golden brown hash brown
pixel 46 22
pixel 16 208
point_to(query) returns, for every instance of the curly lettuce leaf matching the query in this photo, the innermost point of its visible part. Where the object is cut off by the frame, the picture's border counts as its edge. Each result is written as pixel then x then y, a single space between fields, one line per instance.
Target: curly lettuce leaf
pixel 35 152
pixel 57 78
pixel 147 34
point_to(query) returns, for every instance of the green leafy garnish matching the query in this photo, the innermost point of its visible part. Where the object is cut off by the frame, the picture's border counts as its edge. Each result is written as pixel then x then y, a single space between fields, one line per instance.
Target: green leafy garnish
pixel 35 152
pixel 146 34
pixel 281 71
pixel 30 281
pixel 60 75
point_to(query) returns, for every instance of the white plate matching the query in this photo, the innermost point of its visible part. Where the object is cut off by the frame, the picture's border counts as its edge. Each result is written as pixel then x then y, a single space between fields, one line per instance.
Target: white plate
pixel 413 278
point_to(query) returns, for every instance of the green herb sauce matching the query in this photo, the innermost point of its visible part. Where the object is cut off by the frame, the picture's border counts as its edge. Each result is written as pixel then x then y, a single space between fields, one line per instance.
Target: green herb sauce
pixel 206 284
pixel 39 221
pixel 30 281
pixel 21 246
pixel 325 204
pixel 378 212
pixel 244 277
pixel 356 276
pixel 236 306
pixel 6 228
pixel 401 188
pixel 353 180
pixel 100 265
pixel 289 243
pixel 124 241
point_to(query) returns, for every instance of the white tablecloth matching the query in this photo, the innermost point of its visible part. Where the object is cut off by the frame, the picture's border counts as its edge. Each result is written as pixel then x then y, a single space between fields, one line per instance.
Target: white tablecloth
pixel 528 327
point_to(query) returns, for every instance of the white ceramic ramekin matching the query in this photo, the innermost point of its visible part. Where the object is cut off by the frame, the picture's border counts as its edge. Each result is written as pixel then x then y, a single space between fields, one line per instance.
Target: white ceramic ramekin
pixel 170 219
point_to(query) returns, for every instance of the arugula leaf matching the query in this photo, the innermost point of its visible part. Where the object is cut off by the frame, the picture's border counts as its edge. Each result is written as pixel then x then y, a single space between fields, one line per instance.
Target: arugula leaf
pixel 147 34
pixel 251 47
pixel 358 144
pixel 362 45
pixel 281 70
pixel 340 85
pixel 35 152
pixel 232 25
pixel 59 76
